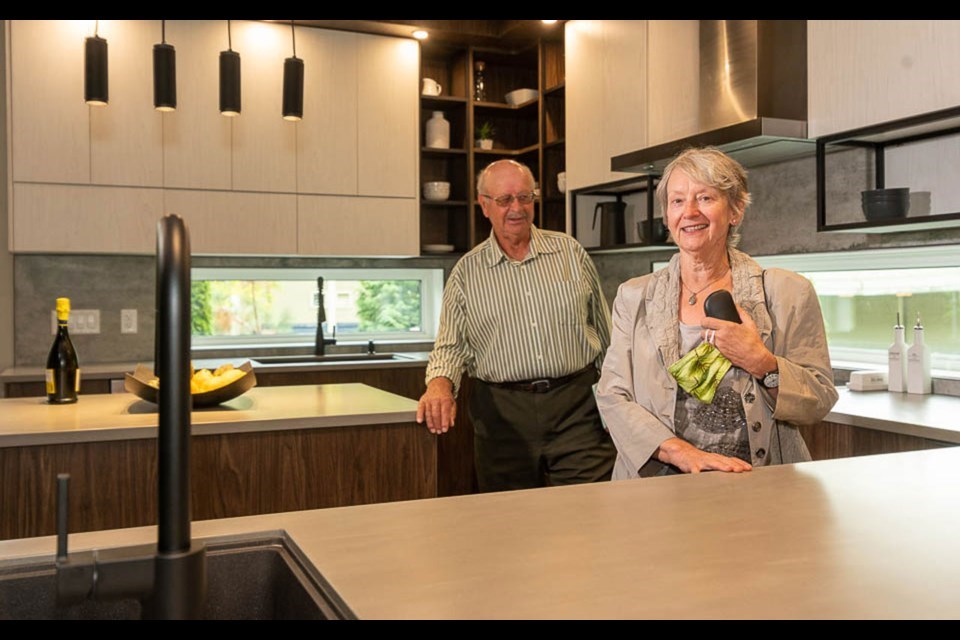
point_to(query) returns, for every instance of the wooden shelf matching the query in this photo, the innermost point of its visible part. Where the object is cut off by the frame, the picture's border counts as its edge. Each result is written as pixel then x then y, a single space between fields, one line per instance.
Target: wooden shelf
pixel 507 152
pixel 443 203
pixel 451 152
pixel 554 143
pixel 555 91
pixel 632 248
pixel 441 101
pixel 503 106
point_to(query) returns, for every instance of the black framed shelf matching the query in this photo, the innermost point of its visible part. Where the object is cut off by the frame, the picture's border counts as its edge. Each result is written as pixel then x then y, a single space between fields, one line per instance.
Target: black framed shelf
pixel 617 191
pixel 876 141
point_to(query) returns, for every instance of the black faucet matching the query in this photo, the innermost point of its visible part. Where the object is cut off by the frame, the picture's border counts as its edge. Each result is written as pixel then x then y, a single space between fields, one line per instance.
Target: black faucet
pixel 170 578
pixel 320 347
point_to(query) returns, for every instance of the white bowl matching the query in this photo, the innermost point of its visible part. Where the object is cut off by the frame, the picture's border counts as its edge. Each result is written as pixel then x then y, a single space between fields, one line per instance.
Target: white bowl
pixel 519 96
pixel 436 191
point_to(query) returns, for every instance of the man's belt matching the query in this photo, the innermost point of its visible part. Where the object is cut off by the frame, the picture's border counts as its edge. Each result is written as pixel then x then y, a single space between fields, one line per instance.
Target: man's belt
pixel 540 386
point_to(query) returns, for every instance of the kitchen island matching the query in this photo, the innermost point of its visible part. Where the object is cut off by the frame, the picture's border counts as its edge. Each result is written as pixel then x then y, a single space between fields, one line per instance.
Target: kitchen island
pixel 871 537
pixel 271 449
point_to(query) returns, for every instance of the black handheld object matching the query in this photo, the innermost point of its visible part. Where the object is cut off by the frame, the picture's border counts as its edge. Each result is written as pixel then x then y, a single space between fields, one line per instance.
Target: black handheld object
pixel 719 304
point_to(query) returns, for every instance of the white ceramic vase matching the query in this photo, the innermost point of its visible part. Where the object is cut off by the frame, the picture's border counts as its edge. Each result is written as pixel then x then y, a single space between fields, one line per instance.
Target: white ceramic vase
pixel 438 131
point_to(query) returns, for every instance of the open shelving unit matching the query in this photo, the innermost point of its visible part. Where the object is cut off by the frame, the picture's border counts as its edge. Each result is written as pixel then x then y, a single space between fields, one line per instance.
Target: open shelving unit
pixel 914 152
pixel 531 133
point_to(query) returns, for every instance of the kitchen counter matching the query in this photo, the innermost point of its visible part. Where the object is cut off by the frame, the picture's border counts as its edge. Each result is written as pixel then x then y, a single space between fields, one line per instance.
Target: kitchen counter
pixel 123 416
pixel 872 537
pixel 934 417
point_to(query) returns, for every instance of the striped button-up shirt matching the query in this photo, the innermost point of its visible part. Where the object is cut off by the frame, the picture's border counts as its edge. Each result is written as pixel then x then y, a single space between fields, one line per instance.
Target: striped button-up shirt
pixel 509 321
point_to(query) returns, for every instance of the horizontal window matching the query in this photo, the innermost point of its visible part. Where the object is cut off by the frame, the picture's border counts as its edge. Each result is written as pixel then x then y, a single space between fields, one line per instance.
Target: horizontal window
pixel 861 294
pixel 281 306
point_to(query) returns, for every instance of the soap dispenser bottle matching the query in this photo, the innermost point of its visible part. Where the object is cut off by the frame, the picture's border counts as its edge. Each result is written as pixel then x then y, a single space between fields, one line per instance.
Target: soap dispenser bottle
pixel 897 360
pixel 918 363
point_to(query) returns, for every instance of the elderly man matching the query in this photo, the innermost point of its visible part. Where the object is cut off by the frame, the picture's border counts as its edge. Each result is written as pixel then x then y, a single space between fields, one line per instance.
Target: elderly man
pixel 524 314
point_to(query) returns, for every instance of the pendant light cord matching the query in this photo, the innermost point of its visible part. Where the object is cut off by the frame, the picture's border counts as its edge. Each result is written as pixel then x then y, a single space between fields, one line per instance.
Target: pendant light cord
pixel 96 28
pixel 229 38
pixel 163 32
pixel 293 33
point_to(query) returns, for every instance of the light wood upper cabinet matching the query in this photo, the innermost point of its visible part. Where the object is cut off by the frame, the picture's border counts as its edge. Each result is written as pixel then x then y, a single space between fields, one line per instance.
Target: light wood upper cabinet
pixel 236 180
pixel 387 110
pixel 126 135
pixel 55 218
pixel 345 226
pixel 673 80
pixel 240 223
pixel 606 92
pixel 264 144
pixel 50 122
pixel 327 135
pixel 196 138
pixel 865 72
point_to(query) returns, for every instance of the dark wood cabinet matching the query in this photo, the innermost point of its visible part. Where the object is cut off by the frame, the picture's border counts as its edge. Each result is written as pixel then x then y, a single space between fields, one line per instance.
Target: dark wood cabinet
pixel 531 132
pixel 829 440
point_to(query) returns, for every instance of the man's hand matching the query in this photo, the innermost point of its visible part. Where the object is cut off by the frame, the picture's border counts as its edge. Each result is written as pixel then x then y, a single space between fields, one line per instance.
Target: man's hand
pixel 438 406
pixel 689 459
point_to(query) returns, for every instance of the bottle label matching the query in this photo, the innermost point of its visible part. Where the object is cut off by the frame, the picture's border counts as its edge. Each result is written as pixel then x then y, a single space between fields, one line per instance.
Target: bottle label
pixel 51 384
pixel 77 386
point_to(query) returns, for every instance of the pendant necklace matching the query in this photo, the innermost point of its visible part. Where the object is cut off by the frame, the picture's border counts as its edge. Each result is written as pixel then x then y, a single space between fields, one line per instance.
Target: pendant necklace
pixel 693 294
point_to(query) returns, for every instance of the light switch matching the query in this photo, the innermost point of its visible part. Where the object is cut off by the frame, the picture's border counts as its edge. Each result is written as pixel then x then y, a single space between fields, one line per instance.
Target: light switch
pixel 128 321
pixel 82 321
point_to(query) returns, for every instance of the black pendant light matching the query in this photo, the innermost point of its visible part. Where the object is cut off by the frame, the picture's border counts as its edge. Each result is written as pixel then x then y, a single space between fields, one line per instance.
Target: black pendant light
pixel 293 83
pixel 164 73
pixel 95 85
pixel 229 79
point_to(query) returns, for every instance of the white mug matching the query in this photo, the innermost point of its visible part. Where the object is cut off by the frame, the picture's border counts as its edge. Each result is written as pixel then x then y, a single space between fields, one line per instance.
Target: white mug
pixel 431 87
pixel 562 182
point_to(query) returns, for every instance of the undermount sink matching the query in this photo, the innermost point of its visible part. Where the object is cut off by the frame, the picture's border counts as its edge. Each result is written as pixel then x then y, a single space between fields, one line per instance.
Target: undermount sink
pixel 253 577
pixel 340 357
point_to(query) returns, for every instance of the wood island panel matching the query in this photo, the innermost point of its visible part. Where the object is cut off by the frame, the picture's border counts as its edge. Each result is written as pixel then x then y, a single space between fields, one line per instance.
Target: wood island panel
pixel 829 440
pixel 114 483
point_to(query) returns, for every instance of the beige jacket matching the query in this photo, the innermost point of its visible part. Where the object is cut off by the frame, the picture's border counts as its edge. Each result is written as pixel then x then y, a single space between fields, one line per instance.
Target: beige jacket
pixel 637 396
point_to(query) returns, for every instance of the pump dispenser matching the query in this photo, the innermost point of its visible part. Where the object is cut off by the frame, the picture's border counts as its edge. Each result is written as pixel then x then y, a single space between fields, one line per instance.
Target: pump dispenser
pixel 918 363
pixel 897 360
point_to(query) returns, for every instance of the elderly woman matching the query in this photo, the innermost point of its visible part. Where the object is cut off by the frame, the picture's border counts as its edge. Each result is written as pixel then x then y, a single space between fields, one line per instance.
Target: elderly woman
pixel 779 372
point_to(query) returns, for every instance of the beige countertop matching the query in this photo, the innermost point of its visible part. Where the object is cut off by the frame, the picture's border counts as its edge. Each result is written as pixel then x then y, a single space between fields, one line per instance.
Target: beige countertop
pixel 936 417
pixel 123 416
pixel 869 537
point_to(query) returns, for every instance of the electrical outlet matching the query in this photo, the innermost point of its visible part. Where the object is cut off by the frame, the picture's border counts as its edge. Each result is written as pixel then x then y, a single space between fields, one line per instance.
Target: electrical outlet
pixel 128 321
pixel 82 321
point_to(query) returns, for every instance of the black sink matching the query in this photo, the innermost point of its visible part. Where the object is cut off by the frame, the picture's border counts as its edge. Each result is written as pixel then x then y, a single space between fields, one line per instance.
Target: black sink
pixel 258 577
pixel 341 357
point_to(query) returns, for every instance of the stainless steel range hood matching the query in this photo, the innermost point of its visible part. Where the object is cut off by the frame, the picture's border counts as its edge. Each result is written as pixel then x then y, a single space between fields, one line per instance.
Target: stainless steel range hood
pixel 753 96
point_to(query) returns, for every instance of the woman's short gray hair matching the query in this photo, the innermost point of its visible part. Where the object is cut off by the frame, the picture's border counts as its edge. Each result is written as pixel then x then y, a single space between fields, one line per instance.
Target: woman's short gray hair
pixel 715 169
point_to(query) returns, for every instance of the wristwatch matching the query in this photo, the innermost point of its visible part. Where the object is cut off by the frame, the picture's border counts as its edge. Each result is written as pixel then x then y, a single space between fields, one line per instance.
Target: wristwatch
pixel 771 380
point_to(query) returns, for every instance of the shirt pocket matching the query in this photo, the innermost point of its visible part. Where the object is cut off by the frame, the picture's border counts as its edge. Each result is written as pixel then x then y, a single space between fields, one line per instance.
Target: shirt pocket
pixel 567 304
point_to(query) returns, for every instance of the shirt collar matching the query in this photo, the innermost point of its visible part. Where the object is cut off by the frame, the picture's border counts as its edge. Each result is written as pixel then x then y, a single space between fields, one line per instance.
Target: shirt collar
pixel 539 243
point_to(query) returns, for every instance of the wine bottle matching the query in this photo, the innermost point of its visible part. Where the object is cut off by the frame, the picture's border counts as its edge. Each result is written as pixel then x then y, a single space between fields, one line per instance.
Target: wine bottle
pixel 63 370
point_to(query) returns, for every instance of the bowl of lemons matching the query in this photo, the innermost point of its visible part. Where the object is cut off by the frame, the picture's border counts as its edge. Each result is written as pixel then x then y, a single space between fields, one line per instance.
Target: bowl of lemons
pixel 208 387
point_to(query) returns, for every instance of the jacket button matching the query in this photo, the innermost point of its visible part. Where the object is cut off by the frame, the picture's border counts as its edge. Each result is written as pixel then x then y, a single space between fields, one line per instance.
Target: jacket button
pixel 748 397
pixel 756 426
pixel 761 453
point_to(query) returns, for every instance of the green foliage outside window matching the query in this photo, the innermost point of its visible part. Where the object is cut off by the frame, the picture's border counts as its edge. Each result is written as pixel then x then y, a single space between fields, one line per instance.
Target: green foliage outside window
pixel 388 305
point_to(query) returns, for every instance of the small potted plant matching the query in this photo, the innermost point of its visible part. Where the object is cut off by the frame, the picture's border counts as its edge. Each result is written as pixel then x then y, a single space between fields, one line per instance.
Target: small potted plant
pixel 485 133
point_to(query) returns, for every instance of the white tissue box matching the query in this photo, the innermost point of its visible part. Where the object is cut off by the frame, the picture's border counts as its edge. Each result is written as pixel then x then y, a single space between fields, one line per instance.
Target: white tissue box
pixel 867 381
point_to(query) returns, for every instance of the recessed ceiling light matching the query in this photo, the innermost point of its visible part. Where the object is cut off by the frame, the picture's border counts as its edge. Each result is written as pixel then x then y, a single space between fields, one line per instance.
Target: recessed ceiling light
pixel 420 34
pixel 548 21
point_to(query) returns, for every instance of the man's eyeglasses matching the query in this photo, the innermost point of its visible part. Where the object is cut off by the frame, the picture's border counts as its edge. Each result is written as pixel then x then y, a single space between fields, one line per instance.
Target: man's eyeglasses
pixel 507 199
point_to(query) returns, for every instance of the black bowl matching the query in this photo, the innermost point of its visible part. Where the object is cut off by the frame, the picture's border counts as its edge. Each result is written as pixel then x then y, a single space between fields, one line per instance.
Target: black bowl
pixel 137 383
pixel 885 204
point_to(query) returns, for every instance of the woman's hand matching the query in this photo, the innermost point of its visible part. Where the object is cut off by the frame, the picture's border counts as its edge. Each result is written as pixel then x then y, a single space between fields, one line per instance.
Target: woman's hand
pixel 686 457
pixel 740 343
